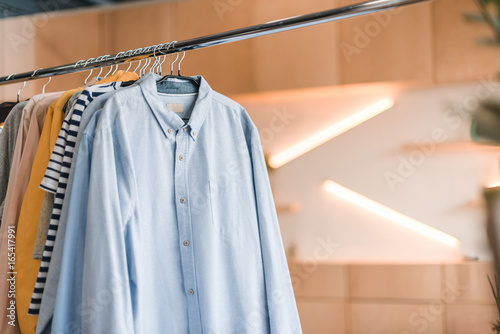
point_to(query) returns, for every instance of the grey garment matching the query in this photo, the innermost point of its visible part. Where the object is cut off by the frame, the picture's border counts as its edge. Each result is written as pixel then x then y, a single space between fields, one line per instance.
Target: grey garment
pixel 71 102
pixel 7 147
pixel 43 225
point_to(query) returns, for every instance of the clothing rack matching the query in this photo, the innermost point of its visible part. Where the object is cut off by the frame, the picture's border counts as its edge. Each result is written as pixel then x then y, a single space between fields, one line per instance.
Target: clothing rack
pixel 212 40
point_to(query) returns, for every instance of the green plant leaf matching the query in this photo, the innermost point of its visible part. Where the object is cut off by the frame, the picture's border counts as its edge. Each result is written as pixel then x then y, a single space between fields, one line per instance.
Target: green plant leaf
pixel 495 294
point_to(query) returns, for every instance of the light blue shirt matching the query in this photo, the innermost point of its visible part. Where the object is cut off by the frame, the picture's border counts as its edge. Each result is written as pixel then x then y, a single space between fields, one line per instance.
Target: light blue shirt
pixel 176 221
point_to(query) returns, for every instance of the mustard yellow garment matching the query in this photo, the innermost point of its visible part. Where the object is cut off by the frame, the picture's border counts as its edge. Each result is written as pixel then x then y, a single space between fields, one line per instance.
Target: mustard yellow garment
pixel 27 267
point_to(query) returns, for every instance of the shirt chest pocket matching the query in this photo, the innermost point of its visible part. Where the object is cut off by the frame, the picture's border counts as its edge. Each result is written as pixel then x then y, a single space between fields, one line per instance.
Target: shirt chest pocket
pixel 225 206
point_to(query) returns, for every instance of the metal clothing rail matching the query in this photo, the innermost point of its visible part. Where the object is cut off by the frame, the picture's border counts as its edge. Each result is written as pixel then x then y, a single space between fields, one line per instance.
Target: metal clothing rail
pixel 215 39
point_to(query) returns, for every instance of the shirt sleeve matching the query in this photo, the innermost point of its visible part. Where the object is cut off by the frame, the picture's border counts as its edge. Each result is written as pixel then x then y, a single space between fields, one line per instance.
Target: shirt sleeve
pixel 106 279
pixel 282 309
pixel 68 304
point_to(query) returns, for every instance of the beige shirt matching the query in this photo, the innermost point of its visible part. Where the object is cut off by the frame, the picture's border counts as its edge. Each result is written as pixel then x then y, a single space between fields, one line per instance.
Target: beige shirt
pixel 28 137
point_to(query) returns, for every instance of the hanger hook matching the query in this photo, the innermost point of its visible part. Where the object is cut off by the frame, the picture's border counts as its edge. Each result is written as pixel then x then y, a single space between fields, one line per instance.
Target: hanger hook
pixel 24 85
pixel 99 74
pixel 102 58
pixel 129 65
pixel 138 65
pixel 19 92
pixel 138 51
pixel 110 70
pixel 166 45
pixel 155 57
pixel 153 65
pixel 146 69
pixel 119 54
pixel 161 64
pixel 8 78
pixel 158 62
pixel 91 70
pixel 50 78
pixel 179 64
pixel 172 64
pixel 177 57
pixel 142 71
pixel 158 57
pixel 43 89
pixel 82 61
pixel 128 53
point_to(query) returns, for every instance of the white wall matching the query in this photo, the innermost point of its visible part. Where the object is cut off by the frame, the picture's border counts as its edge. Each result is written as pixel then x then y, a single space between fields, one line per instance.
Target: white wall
pixel 443 190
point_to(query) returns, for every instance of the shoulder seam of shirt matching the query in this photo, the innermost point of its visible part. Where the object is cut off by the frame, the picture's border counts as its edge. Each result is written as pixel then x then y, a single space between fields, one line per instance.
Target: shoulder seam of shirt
pixel 125 93
pixel 217 97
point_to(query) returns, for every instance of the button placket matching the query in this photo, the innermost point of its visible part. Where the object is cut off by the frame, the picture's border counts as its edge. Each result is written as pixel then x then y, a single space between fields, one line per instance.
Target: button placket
pixel 185 226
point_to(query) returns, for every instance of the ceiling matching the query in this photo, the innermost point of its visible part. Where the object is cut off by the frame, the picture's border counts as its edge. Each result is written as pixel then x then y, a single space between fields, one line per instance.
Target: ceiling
pixel 11 8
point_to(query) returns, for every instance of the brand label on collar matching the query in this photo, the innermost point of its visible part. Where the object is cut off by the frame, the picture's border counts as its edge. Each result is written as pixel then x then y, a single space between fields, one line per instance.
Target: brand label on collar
pixel 176 107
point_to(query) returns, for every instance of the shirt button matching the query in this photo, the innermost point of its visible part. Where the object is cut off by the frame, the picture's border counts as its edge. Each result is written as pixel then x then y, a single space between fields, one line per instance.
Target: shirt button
pixel 183 200
pixel 194 133
pixel 170 130
pixel 185 129
pixel 181 157
pixel 191 292
pixel 186 243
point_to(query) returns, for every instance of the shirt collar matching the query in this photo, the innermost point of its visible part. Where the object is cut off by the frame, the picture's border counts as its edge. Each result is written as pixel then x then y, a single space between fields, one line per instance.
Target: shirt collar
pixel 168 120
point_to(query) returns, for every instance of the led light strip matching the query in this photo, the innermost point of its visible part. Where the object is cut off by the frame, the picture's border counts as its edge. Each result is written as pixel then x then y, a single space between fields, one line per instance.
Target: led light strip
pixel 388 213
pixel 333 131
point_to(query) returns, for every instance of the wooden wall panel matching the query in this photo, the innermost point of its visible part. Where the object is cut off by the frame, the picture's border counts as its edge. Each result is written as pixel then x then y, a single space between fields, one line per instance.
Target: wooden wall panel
pixel 450 298
pixel 461 54
pixel 390 45
pixel 467 319
pixel 139 26
pixel 468 282
pixel 321 317
pixel 319 280
pixel 306 57
pixel 396 281
pixel 385 318
pixel 227 68
pixel 67 38
pixel 16 54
